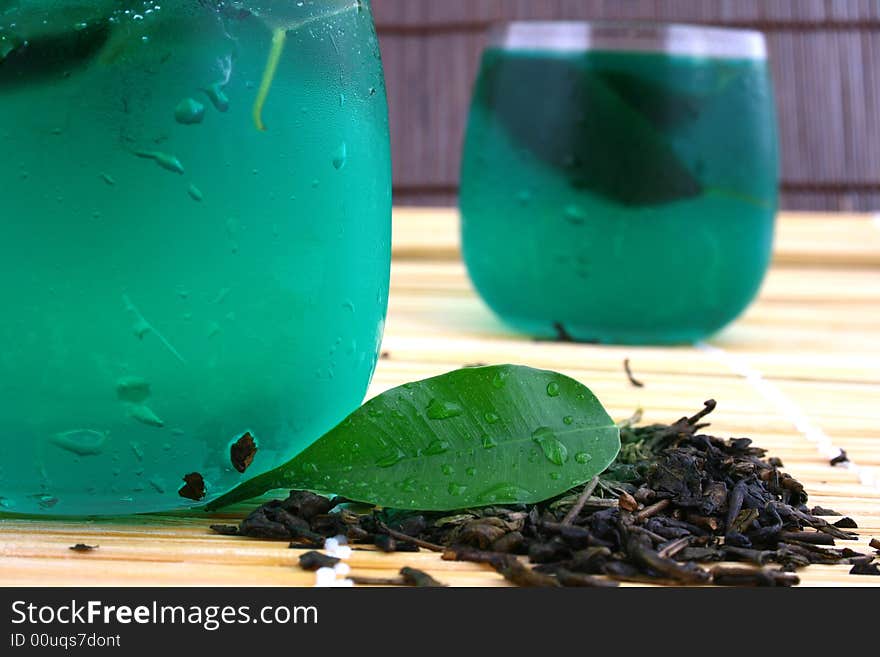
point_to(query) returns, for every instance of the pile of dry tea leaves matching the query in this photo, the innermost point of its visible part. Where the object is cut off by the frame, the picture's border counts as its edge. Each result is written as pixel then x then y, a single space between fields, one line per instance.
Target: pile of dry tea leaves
pixel 675 504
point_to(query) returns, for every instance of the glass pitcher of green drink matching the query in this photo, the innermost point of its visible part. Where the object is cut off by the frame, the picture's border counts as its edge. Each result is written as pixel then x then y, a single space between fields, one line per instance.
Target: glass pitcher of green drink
pixel 619 181
pixel 195 243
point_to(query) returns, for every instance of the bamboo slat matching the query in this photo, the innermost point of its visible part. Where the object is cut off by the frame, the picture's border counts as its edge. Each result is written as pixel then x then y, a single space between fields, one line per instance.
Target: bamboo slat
pixel 812 339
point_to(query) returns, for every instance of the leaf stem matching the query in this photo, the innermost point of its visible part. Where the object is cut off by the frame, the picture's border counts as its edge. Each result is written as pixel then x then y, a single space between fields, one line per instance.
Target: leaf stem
pixel 279 36
pixel 400 536
pixel 574 512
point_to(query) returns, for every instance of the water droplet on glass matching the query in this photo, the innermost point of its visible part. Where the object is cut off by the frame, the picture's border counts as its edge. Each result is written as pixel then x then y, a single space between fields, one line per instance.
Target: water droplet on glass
pixel 443 410
pixel 138 452
pixel 574 215
pixel 132 389
pixel 82 442
pixel 340 157
pixel 217 96
pixel 189 112
pixel 553 449
pixel 145 415
pixel 195 193
pixel 165 160
pixel 47 501
pixel 553 389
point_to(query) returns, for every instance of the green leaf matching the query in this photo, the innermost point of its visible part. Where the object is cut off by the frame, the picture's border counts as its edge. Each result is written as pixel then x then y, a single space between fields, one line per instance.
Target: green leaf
pixel 563 113
pixel 490 435
pixel 667 108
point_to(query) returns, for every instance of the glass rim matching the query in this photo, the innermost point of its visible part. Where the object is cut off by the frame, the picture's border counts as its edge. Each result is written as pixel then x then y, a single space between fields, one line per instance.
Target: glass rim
pixel 630 36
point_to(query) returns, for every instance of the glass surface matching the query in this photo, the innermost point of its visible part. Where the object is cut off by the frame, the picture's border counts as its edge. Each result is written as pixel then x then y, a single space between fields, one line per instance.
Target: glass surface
pixel 194 241
pixel 619 182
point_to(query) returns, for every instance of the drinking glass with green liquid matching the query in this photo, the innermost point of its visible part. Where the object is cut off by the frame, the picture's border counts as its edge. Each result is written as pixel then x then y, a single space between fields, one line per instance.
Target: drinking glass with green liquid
pixel 195 208
pixel 619 181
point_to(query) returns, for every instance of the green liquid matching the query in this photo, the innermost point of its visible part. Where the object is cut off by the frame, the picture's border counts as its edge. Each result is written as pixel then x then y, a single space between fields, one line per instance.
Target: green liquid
pixel 622 197
pixel 171 284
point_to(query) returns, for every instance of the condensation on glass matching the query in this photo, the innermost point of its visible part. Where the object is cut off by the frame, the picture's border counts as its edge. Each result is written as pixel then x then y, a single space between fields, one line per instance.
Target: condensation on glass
pixel 194 242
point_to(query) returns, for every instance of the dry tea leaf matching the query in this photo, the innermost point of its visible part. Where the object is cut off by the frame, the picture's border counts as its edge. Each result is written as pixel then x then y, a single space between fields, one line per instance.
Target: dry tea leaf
pixel 193 488
pixel 242 452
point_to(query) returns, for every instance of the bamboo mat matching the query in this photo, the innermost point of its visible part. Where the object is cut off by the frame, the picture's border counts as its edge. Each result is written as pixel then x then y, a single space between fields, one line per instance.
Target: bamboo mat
pixel 799 373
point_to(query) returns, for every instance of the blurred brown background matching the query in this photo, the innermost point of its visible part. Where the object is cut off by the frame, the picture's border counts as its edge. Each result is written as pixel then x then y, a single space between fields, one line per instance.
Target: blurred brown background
pixel 825 55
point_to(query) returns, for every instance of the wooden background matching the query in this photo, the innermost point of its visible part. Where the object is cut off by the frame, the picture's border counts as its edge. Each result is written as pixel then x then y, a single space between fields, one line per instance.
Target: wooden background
pixel 825 55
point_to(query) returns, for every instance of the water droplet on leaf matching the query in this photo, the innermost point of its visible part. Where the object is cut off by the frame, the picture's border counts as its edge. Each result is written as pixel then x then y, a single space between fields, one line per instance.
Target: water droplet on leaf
pixel 505 493
pixel 553 449
pixel 455 489
pixel 443 410
pixel 437 447
pixel 408 485
pixel 392 458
